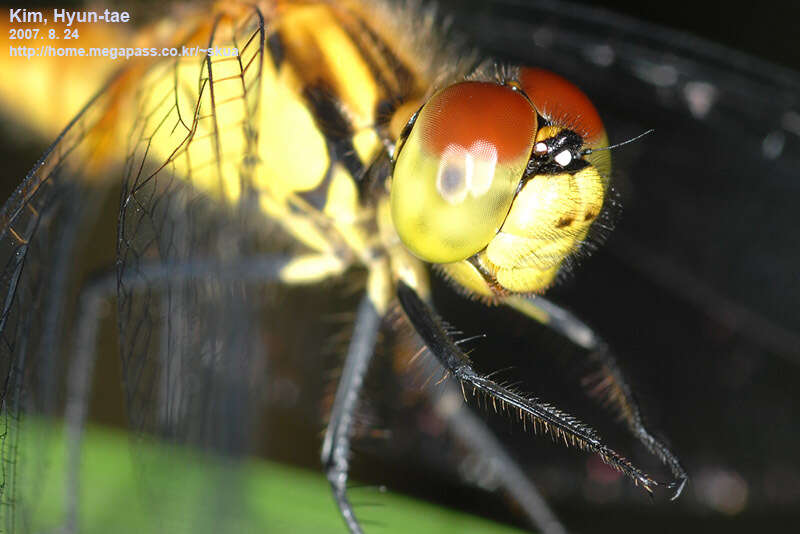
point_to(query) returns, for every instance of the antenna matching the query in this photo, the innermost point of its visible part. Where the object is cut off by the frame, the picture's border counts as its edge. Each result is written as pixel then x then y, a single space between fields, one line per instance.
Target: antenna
pixel 590 150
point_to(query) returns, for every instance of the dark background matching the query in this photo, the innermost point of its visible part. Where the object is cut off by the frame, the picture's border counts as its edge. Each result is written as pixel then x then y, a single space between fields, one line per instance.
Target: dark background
pixel 761 29
pixel 720 393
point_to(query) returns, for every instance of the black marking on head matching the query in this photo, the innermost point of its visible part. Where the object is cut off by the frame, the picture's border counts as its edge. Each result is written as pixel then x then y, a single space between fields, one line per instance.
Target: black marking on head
pixel 564 222
pixel 406 131
pixel 545 163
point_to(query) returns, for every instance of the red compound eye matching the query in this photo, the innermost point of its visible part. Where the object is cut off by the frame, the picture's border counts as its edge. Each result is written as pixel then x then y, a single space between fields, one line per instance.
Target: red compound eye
pixel 456 174
pixel 479 116
pixel 562 103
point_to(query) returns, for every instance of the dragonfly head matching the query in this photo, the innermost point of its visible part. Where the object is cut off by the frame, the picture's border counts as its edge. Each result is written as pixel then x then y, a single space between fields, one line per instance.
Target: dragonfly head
pixel 498 177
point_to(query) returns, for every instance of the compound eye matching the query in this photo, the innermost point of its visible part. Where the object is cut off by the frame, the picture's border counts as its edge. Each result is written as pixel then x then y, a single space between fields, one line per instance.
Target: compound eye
pixel 560 102
pixel 456 174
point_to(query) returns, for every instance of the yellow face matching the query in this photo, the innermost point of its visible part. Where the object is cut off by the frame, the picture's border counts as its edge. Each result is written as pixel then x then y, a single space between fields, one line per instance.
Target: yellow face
pixel 494 182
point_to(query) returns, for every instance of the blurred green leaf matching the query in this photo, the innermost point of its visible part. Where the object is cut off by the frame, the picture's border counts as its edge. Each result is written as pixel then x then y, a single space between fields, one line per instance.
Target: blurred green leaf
pixel 154 487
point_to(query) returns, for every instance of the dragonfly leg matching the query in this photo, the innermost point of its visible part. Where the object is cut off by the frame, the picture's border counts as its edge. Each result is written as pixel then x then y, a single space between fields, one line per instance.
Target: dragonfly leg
pixel 550 419
pixel 336 445
pixel 94 296
pixel 473 433
pixel 612 381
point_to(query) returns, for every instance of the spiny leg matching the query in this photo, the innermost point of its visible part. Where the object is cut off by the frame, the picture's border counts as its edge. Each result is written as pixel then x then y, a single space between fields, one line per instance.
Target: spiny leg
pixel 476 436
pixel 613 381
pixel 261 269
pixel 559 424
pixel 336 445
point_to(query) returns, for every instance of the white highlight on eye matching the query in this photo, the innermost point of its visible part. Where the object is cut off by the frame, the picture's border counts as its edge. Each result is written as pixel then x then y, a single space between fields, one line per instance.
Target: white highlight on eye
pixel 485 160
pixel 540 147
pixel 563 158
pixel 464 171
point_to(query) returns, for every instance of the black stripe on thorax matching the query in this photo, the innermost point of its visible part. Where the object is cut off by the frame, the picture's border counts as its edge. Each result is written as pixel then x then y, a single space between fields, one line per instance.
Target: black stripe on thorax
pixel 277 50
pixel 338 133
pixel 393 96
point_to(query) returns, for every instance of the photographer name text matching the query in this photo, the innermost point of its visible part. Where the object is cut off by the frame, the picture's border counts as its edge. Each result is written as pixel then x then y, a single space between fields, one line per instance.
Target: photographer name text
pixel 68 17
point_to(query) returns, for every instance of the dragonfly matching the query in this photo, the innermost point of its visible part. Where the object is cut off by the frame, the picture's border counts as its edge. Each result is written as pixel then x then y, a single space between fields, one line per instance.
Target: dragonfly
pixel 194 283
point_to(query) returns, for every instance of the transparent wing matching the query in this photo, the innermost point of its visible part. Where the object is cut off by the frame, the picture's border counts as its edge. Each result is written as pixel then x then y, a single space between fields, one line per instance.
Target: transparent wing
pixel 39 228
pixel 191 353
pixel 186 199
